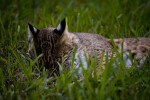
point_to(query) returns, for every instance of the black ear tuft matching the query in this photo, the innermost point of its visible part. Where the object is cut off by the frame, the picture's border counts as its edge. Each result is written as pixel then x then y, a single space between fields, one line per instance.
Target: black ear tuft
pixel 33 30
pixel 61 27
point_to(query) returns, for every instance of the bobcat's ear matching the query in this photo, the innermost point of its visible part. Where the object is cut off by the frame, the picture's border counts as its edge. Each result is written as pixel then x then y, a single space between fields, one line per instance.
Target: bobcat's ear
pixel 32 31
pixel 61 28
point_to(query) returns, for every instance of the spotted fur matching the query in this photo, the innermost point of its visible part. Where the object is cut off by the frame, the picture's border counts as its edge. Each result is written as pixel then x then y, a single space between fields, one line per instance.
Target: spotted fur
pixel 57 46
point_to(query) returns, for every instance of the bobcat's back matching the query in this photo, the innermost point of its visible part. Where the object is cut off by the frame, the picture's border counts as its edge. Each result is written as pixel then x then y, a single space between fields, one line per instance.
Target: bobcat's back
pixel 93 43
pixel 139 48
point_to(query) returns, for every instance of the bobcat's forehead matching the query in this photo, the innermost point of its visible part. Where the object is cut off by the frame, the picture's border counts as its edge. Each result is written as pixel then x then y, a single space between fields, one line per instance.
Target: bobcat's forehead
pixel 42 41
pixel 46 39
pixel 45 34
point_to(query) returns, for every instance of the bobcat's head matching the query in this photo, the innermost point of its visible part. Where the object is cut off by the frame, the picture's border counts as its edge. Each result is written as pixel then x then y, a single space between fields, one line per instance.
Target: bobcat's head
pixel 44 41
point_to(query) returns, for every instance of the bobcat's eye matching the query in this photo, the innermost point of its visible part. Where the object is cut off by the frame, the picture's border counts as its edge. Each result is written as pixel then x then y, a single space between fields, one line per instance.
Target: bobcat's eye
pixel 45 45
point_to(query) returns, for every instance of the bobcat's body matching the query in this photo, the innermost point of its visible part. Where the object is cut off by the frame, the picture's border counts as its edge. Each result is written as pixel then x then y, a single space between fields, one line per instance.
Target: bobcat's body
pixel 57 46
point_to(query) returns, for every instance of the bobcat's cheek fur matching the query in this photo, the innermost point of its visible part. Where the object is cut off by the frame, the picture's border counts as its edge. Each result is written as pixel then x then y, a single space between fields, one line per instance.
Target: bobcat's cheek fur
pixel 57 46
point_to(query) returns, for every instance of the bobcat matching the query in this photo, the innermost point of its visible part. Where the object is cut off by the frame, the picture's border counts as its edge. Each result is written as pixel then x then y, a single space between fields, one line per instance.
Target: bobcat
pixel 57 45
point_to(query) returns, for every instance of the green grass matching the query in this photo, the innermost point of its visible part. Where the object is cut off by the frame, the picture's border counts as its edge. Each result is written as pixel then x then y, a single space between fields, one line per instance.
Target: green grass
pixel 110 18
